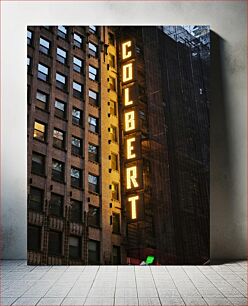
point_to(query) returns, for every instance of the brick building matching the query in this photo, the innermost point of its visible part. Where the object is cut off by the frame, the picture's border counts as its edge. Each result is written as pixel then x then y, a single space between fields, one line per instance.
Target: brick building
pixel 118 164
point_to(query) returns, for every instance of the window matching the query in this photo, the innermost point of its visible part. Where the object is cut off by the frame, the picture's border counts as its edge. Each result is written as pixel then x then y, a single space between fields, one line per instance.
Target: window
pixel 60 109
pixel 93 97
pixel 58 139
pixel 74 247
pixel 93 152
pixel 113 108
pixel 111 39
pixel 54 243
pixel 36 198
pixel 116 255
pixel 43 72
pixel 61 55
pixel 113 133
pixel 111 60
pixel 39 131
pixel 29 64
pixel 94 216
pixel 38 164
pixel 114 161
pixel 76 146
pixel 115 191
pixel 92 29
pixel 57 171
pixel 112 83
pixel 116 223
pixel 76 116
pixel 77 64
pixel 93 183
pixel 93 252
pixel 29 37
pixel 77 90
pixel 93 124
pixel 143 119
pixel 77 40
pixel 60 81
pixel 44 45
pixel 42 99
pixel 92 49
pixel 56 205
pixel 34 238
pixel 93 73
pixel 75 177
pixel 76 211
pixel 62 32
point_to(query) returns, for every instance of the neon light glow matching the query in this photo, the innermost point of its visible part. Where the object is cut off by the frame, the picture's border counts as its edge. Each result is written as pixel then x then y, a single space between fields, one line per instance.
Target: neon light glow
pixel 126 97
pixel 127 72
pixel 130 148
pixel 129 121
pixel 133 206
pixel 132 177
pixel 126 54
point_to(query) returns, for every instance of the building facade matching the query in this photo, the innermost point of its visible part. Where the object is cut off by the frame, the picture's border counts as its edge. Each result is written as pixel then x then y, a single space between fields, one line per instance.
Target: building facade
pixel 118 147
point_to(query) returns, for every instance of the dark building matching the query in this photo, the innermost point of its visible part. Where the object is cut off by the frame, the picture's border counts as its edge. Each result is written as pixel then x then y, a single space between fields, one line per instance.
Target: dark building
pixel 118 146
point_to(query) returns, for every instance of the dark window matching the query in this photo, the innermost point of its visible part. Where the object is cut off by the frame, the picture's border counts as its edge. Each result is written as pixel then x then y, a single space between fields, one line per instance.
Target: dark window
pixel 94 216
pixel 39 131
pixel 115 191
pixel 113 108
pixel 143 119
pixel 93 97
pixel 55 243
pixel 34 238
pixel 61 55
pixel 38 164
pixel 62 32
pixel 116 255
pixel 114 161
pixel 93 124
pixel 36 198
pixel 111 60
pixel 92 29
pixel 113 133
pixel 60 109
pixel 43 72
pixel 60 81
pixel 42 100
pixel 77 64
pixel 58 139
pixel 76 116
pixel 29 37
pixel 76 211
pixel 93 152
pixel 75 177
pixel 112 83
pixel 74 247
pixel 116 223
pixel 29 64
pixel 77 90
pixel 111 39
pixel 93 252
pixel 76 146
pixel 93 73
pixel 92 49
pixel 78 40
pixel 57 171
pixel 44 45
pixel 56 205
pixel 93 181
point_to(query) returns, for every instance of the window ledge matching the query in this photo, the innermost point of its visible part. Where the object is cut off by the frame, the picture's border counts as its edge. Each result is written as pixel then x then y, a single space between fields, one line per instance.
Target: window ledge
pixel 94 193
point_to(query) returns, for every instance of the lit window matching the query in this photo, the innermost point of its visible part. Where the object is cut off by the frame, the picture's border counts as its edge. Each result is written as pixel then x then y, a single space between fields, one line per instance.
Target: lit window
pixel 115 191
pixel 92 29
pixel 58 139
pixel 60 81
pixel 77 64
pixel 93 97
pixel 75 177
pixel 93 183
pixel 93 252
pixel 93 124
pixel 44 45
pixel 113 108
pixel 36 198
pixel 76 146
pixel 112 83
pixel 60 109
pixel 38 164
pixel 76 211
pixel 39 131
pixel 93 73
pixel 77 40
pixel 93 152
pixel 57 170
pixel 43 72
pixel 94 216
pixel 74 247
pixel 76 116
pixel 29 37
pixel 111 60
pixel 62 32
pixel 29 64
pixel 113 133
pixel 56 205
pixel 92 49
pixel 61 55
pixel 77 90
pixel 42 100
pixel 114 161
pixel 116 223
